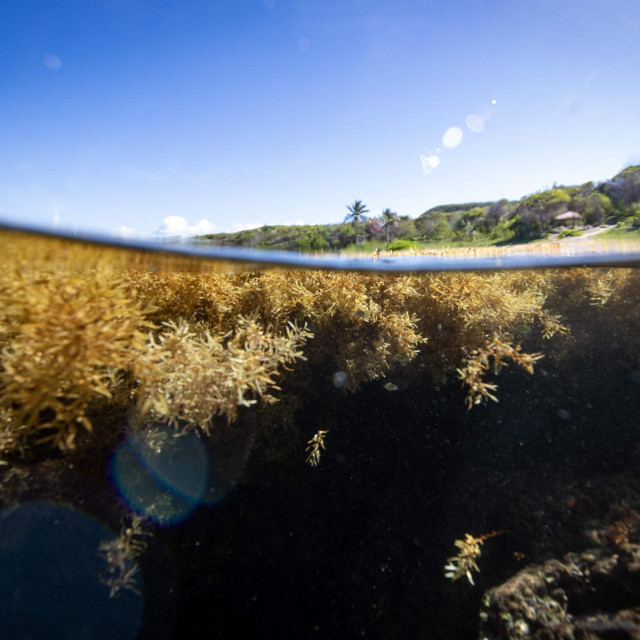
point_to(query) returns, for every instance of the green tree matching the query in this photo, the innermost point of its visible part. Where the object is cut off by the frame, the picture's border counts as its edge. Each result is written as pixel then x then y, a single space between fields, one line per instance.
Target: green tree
pixel 597 207
pixel 390 223
pixel 341 236
pixel 497 212
pixel 429 225
pixel 625 187
pixel 357 211
pixel 471 220
pixel 536 212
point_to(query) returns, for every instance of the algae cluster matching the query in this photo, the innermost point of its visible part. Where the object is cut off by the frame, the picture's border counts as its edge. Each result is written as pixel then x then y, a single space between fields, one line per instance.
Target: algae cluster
pixel 82 325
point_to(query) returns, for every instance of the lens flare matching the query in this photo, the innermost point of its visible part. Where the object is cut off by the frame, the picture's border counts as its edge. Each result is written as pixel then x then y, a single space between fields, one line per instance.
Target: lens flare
pixel 52 61
pixel 429 163
pixel 160 475
pixel 50 581
pixel 452 137
pixel 474 122
pixel 339 378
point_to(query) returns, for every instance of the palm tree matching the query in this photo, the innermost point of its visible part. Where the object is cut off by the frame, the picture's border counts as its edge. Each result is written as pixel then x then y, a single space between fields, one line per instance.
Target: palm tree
pixel 356 211
pixel 390 220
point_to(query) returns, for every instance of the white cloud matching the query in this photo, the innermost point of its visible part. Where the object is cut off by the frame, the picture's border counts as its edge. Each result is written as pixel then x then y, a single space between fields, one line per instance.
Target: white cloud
pixel 178 226
pixel 171 227
pixel 128 233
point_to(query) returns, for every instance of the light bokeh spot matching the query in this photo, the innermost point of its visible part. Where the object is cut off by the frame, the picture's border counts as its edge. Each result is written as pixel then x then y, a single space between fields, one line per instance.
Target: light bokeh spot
pixel 452 137
pixel 339 378
pixel 161 476
pixel 52 61
pixel 429 163
pixel 50 584
pixel 475 122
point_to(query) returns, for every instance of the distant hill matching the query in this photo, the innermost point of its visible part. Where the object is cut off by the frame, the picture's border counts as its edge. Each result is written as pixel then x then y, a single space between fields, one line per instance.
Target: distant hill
pixel 612 201
pixel 632 169
pixel 451 208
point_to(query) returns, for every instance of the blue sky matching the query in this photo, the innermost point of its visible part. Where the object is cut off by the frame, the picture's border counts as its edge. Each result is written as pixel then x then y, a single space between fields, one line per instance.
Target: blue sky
pixel 147 116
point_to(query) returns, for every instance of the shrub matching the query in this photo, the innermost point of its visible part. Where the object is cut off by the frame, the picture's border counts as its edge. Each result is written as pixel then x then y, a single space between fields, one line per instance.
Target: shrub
pixel 567 233
pixel 400 245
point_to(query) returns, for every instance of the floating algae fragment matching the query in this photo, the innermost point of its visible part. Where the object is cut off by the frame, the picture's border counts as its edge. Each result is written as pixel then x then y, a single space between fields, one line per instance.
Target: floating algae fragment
pixel 314 447
pixel 465 562
pixel 390 386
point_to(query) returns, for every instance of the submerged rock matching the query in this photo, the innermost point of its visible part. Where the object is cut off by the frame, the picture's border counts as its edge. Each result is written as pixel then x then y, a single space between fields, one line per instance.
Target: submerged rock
pixel 588 595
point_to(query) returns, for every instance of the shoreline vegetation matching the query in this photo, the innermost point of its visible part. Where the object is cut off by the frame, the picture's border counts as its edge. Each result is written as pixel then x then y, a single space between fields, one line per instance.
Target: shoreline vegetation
pixel 613 205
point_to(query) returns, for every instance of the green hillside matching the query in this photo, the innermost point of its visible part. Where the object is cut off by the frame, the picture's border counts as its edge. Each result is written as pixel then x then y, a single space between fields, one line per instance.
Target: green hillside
pixel 615 201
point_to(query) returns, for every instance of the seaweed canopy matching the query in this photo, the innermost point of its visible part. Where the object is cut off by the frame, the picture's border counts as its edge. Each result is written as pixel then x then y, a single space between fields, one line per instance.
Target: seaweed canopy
pixel 74 333
pixel 66 338
pixel 365 323
pixel 78 326
pixel 187 378
pixel 368 324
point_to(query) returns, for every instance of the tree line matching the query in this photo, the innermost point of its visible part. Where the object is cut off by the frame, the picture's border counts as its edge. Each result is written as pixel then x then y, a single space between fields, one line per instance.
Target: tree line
pixel 614 201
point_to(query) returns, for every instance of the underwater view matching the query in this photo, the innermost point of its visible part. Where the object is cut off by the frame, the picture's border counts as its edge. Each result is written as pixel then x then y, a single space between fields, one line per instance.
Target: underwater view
pixel 198 448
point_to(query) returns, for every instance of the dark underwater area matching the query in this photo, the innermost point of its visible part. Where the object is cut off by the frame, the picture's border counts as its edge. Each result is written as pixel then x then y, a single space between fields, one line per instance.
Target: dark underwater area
pixel 357 548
